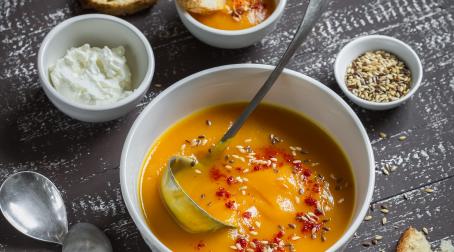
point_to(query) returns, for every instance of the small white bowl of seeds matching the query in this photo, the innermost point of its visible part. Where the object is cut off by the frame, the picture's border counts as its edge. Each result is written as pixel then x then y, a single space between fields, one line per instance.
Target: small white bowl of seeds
pixel 378 72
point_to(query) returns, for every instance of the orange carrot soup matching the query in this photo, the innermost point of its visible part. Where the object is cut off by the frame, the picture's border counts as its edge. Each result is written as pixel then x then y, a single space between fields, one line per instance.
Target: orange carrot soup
pixel 283 182
pixel 238 14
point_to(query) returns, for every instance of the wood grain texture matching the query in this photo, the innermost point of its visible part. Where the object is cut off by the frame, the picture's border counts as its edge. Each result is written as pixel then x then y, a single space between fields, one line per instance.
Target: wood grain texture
pixel 82 159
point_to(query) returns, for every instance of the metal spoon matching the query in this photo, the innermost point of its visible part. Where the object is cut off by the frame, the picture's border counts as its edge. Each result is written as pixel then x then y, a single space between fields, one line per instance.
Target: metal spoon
pixel 185 211
pixel 34 206
pixel 180 204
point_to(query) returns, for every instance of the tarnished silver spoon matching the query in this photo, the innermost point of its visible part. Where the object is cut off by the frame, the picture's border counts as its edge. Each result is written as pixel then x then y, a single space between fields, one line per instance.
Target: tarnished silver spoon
pixel 185 211
pixel 34 206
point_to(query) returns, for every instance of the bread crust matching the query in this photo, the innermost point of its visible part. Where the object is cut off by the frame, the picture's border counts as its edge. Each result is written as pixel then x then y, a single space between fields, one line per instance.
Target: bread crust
pixel 202 6
pixel 118 8
pixel 413 240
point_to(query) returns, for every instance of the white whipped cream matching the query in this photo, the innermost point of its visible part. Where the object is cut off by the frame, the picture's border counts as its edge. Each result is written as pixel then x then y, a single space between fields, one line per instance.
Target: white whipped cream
pixel 92 75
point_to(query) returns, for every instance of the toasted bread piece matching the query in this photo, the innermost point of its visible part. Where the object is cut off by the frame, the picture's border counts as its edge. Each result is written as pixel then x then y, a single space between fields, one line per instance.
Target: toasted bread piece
pixel 118 7
pixel 413 240
pixel 202 6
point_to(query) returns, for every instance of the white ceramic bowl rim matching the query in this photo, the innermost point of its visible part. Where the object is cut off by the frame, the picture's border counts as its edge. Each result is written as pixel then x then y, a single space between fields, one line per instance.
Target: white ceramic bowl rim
pixel 136 213
pixel 276 13
pixel 142 86
pixel 362 39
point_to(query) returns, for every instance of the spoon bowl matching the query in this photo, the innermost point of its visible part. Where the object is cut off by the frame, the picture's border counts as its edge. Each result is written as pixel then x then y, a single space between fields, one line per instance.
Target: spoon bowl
pixel 34 206
pixel 190 216
pixel 83 237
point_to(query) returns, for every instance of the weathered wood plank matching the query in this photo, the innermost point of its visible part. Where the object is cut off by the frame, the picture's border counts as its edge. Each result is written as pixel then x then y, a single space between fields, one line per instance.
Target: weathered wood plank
pixel 416 208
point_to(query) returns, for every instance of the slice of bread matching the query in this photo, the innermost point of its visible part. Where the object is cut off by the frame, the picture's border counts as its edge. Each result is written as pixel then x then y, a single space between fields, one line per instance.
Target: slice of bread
pixel 202 6
pixel 118 7
pixel 413 240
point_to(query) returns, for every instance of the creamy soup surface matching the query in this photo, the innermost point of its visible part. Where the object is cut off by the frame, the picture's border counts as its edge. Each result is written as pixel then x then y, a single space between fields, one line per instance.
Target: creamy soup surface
pixel 283 181
pixel 238 14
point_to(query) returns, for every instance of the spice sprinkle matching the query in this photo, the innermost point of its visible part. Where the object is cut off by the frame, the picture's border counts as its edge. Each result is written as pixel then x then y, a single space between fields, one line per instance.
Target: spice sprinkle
pixel 275 183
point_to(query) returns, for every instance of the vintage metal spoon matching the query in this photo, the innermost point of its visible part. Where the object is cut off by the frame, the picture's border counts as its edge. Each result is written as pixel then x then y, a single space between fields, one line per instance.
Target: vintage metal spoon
pixel 185 211
pixel 34 206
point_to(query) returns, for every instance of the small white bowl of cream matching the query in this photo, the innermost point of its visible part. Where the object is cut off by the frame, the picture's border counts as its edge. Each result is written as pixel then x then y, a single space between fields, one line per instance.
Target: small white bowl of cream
pixel 95 67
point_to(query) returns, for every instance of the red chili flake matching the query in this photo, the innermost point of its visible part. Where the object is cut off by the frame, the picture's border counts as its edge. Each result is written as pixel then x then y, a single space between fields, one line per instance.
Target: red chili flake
pixel 297 169
pixel 247 215
pixel 288 157
pixel 298 165
pixel 242 241
pixel 276 240
pixel 307 172
pixel 216 174
pixel 238 168
pixel 280 234
pixel 278 237
pixel 221 192
pixel 317 212
pixel 270 152
pixel 273 152
pixel 299 215
pixel 200 245
pixel 230 204
pixel 259 247
pixel 230 180
pixel 309 225
pixel 310 201
pixel 316 188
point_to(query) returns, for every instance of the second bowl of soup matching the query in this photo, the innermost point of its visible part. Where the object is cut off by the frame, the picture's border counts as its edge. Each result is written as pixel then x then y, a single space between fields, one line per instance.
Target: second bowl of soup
pixel 240 23
pixel 298 176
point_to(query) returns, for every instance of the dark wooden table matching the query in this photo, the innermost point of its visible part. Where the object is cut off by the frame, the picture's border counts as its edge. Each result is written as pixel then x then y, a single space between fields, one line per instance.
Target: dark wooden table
pixel 83 159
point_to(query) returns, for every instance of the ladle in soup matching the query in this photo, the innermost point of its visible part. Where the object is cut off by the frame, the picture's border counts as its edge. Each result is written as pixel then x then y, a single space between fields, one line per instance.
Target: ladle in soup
pixel 190 216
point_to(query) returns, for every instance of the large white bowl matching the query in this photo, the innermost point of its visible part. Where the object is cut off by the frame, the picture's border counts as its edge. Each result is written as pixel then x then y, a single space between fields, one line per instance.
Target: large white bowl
pixel 232 83
pixel 228 39
pixel 97 30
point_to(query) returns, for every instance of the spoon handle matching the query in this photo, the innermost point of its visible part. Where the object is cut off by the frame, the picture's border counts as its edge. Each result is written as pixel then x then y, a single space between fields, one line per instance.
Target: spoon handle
pixel 313 12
